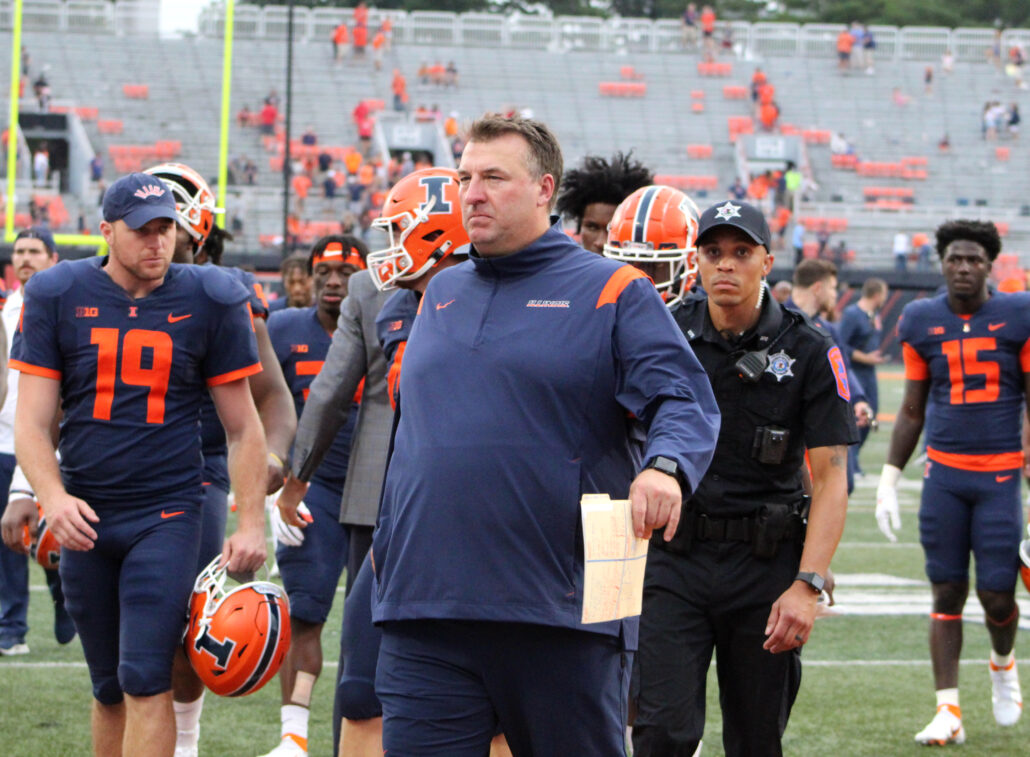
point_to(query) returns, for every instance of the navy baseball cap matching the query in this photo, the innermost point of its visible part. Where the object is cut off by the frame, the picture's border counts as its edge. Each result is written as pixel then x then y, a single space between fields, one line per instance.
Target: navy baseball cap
pixel 42 234
pixel 138 199
pixel 739 215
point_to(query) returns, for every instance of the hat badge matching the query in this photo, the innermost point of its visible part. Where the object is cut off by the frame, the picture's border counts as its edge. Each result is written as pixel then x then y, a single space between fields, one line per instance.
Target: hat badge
pixel 727 211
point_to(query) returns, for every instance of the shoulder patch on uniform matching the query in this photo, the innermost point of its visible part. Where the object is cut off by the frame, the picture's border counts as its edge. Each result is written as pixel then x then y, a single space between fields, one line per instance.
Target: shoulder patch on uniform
pixel 617 282
pixel 220 285
pixel 840 372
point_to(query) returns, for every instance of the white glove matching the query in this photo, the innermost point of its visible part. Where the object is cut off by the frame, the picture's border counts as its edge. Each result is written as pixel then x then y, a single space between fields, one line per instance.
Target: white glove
pixel 888 517
pixel 284 533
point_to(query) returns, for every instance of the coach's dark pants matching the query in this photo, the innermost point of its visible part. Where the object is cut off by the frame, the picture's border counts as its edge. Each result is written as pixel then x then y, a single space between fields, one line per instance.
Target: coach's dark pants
pixel 448 687
pixel 716 598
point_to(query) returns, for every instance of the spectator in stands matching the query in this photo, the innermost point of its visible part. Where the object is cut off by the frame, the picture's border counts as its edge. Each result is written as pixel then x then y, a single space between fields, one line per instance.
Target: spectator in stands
pixel 768 114
pixel 758 80
pixel 844 44
pixel 325 160
pixel 340 38
pixel 928 81
pixel 923 250
pixel 840 254
pixel 244 117
pixel 797 241
pixel 309 137
pixel 902 247
pixel 399 86
pixel 994 51
pixel 899 98
pixel 591 192
pixel 781 290
pixel 792 179
pixel 41 164
pixel 857 43
pixel 378 43
pixel 737 190
pixel 947 61
pixel 688 22
pixel 41 87
pixel 272 98
pixel 944 144
pixel 329 185
pixel 249 171
pixel 96 167
pixel 360 41
pixel 708 32
pixel 1014 120
pixel 868 49
pixel 26 60
pixel 361 15
pixel 407 165
pixel 268 118
pixel 822 239
pixel 301 184
pixel 839 144
pixel 450 76
pixel 781 220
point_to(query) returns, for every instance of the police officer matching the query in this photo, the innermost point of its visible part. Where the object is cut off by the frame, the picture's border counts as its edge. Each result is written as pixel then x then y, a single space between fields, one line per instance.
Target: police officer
pixel 741 576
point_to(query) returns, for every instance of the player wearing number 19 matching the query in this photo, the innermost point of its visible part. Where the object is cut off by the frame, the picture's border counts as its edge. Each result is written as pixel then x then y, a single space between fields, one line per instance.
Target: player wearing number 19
pixel 967 351
pixel 130 345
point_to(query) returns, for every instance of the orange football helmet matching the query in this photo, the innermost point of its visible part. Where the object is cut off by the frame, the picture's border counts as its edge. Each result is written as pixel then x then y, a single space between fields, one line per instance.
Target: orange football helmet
pixel 422 217
pixel 194 200
pixel 236 640
pixel 655 229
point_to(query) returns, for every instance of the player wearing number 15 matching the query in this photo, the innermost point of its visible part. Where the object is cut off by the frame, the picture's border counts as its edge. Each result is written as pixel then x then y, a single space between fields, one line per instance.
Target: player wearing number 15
pixel 968 352
pixel 130 345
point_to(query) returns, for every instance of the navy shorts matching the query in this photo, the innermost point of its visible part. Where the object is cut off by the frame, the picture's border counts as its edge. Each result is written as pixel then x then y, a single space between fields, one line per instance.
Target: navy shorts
pixel 215 511
pixel 359 651
pixel 129 595
pixel 968 510
pixel 448 686
pixel 311 572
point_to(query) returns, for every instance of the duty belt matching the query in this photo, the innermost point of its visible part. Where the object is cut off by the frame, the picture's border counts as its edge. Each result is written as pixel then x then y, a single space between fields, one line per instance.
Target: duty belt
pixel 709 528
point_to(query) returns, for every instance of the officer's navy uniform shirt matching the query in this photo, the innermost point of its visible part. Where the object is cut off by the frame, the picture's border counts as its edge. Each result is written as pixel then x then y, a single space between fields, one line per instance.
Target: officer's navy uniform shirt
pixel 517 379
pixel 301 344
pixel 975 366
pixel 803 389
pixel 133 372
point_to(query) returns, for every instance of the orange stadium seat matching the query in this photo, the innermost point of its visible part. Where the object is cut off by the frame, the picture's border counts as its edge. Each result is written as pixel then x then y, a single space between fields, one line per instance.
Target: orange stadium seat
pixel 87 113
pixel 697 107
pixel 110 126
pixel 687 182
pixel 697 94
pixel 846 162
pixel 816 136
pixel 60 109
pixel 1003 231
pixel 734 92
pixel 699 152
pixel 136 91
pixel 630 74
pixel 1002 153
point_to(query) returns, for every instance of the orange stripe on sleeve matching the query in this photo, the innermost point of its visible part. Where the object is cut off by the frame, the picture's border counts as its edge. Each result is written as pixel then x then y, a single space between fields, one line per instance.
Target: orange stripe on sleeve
pixel 916 368
pixel 393 377
pixel 35 370
pixel 225 378
pixel 1000 461
pixel 260 292
pixel 1024 357
pixel 618 282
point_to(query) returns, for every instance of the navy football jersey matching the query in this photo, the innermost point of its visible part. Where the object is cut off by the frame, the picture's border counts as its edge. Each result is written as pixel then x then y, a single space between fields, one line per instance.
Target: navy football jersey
pixel 133 372
pixel 975 365
pixel 211 430
pixel 301 344
pixel 393 325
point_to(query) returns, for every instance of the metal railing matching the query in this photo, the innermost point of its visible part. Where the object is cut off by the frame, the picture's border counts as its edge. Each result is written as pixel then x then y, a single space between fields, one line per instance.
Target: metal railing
pixel 564 33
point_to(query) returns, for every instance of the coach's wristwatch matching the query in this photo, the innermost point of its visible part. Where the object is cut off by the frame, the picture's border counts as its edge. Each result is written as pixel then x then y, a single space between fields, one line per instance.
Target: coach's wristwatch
pixel 814 580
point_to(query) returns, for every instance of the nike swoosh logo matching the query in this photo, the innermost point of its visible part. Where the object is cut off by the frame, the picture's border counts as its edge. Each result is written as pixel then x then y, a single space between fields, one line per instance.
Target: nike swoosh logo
pixel 177 318
pixel 442 305
pixel 1002 479
pixel 995 326
pixel 165 515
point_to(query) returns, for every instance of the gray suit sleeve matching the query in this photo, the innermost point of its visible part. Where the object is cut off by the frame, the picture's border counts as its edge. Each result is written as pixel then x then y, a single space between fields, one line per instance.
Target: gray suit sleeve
pixel 332 391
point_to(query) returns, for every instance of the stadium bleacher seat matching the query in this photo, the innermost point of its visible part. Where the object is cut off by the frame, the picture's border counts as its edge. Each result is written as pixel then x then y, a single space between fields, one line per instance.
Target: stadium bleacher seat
pixel 136 91
pixel 699 152
pixel 697 106
pixel 687 182
pixel 111 126
pixel 734 92
pixel 697 94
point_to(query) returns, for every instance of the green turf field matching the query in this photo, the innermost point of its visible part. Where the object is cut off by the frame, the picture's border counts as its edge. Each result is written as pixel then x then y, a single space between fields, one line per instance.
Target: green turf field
pixel 867 684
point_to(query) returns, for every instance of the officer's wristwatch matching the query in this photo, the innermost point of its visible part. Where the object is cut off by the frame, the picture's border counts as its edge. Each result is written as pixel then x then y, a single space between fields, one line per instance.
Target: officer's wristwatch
pixel 814 580
pixel 667 466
